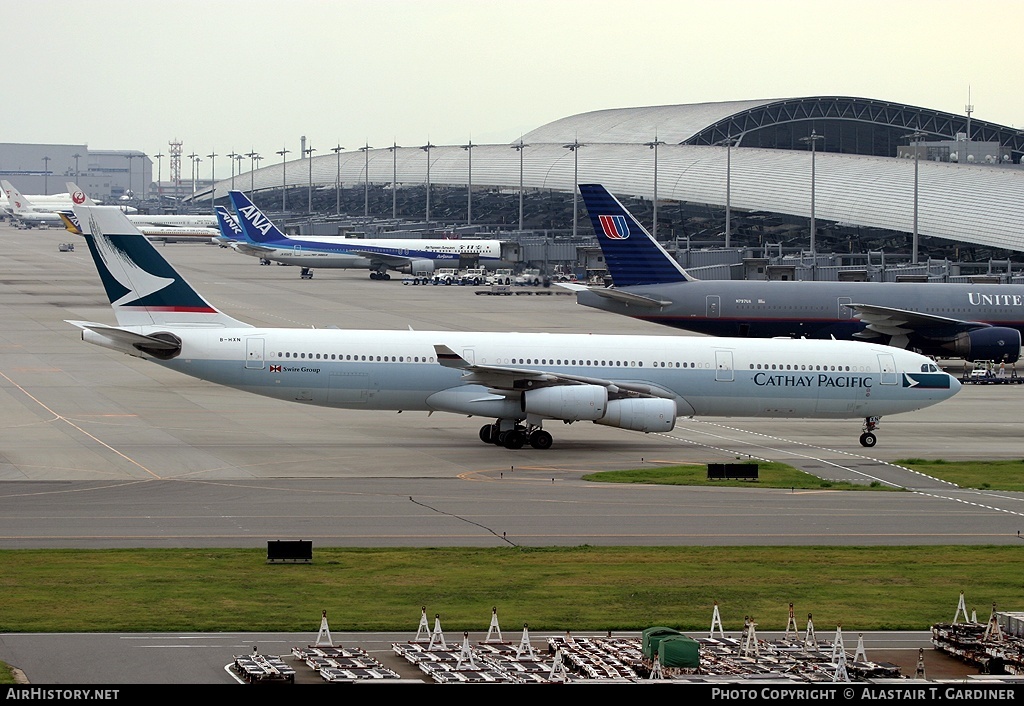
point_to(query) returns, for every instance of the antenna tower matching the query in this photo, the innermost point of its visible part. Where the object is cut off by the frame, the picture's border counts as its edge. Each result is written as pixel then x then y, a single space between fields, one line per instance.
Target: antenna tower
pixel 175 154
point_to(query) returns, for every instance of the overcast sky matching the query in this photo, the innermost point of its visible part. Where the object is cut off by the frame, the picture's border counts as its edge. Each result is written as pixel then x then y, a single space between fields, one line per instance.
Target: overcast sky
pixel 242 75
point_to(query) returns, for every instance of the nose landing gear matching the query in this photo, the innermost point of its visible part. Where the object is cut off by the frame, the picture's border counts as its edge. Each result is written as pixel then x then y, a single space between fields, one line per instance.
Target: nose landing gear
pixel 868 439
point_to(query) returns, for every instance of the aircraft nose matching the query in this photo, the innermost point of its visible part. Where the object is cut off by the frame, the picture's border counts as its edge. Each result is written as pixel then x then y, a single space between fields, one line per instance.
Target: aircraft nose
pixel 954 385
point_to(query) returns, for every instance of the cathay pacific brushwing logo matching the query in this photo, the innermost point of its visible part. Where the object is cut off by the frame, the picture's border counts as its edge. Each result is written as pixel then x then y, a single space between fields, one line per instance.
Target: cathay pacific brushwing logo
pixel 121 267
pixel 614 227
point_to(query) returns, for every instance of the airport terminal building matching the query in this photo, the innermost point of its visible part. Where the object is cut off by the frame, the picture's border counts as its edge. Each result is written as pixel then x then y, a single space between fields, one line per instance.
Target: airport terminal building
pixel 861 168
pixel 800 175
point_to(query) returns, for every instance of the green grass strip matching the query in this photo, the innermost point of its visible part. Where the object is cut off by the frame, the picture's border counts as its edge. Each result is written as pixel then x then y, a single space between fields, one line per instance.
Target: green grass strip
pixel 577 588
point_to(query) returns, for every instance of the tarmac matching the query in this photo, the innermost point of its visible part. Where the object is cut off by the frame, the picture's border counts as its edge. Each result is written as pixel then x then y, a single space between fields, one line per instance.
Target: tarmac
pixel 98 449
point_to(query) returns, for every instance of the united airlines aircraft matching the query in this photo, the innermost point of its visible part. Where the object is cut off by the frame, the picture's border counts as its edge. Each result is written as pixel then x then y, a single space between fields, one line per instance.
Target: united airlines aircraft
pixel 261 238
pixel 970 321
pixel 518 380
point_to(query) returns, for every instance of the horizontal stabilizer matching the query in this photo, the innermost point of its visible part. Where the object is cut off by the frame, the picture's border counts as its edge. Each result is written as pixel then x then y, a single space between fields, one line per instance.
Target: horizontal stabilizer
pixel 128 338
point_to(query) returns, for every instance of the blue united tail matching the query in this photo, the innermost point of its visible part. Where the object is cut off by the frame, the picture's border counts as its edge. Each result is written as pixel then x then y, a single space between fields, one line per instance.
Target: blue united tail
pixel 632 255
pixel 256 226
pixel 143 288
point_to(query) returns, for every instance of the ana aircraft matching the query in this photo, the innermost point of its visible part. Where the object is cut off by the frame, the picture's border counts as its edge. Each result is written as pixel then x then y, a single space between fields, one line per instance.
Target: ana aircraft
pixel 261 238
pixel 520 380
pixel 970 321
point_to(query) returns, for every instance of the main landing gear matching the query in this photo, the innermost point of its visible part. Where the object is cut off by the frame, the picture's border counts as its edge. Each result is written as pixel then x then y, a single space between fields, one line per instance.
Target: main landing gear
pixel 379 274
pixel 516 437
pixel 868 438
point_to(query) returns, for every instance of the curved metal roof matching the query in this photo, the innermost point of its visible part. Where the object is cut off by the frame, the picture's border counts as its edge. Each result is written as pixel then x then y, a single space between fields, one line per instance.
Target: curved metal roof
pixel 670 123
pixel 977 204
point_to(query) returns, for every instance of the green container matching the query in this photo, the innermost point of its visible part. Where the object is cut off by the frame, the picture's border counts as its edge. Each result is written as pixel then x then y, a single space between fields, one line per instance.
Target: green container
pixel 653 636
pixel 679 651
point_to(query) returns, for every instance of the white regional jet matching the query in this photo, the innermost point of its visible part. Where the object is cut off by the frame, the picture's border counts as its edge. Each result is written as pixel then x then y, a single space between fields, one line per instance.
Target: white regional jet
pixel 520 380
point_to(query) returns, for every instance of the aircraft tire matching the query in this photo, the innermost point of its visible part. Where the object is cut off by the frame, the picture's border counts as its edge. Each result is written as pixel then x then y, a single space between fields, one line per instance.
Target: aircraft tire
pixel 485 433
pixel 513 439
pixel 541 439
pixel 868 439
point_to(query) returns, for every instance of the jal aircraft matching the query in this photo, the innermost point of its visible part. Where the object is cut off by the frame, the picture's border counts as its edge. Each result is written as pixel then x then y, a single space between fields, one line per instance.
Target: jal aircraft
pixel 518 380
pixel 969 321
pixel 30 213
pixel 261 238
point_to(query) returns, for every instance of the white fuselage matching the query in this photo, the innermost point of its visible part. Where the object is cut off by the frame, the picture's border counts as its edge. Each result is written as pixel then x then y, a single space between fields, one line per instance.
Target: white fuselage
pixel 361 253
pixel 399 370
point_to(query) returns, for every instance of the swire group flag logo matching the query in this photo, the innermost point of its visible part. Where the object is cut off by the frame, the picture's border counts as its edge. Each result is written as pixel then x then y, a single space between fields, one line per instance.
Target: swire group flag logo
pixel 275 368
pixel 614 227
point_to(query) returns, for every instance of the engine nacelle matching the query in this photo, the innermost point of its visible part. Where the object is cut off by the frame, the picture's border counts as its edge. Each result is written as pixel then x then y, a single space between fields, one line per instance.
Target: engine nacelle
pixel 997 343
pixel 567 402
pixel 644 414
pixel 424 266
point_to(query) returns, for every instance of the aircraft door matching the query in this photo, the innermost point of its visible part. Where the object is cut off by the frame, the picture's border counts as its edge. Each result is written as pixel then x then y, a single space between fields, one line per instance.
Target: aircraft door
pixel 723 366
pixel 887 366
pixel 468 355
pixel 254 353
pixel 845 310
pixel 714 306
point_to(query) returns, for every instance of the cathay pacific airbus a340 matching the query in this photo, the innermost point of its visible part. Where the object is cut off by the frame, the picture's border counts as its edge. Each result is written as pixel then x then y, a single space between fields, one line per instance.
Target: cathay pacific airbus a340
pixel 518 380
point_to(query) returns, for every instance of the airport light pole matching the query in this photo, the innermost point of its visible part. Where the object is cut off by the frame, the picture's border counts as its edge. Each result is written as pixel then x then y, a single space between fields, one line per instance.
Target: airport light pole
pixel 76 156
pixel 365 149
pixel 309 155
pixel 728 142
pixel 337 180
pixel 284 178
pixel 574 147
pixel 213 180
pixel 46 175
pixel 192 159
pixel 520 147
pixel 469 184
pixel 129 158
pixel 654 146
pixel 394 179
pixel 238 158
pixel 813 139
pixel 426 148
pixel 256 158
pixel 195 176
pixel 916 137
pixel 159 171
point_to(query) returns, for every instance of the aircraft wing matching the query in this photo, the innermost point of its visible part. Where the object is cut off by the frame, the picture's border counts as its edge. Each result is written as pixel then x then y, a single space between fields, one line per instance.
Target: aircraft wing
pixel 617 294
pixel 251 248
pixel 503 379
pixel 385 258
pixel 899 322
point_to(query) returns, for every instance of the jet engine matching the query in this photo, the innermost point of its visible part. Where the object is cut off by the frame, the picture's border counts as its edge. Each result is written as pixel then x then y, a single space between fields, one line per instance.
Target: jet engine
pixel 421 266
pixel 567 402
pixel 644 414
pixel 997 343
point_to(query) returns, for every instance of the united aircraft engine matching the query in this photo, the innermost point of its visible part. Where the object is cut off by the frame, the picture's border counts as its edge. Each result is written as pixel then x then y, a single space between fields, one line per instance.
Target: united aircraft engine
pixel 993 343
